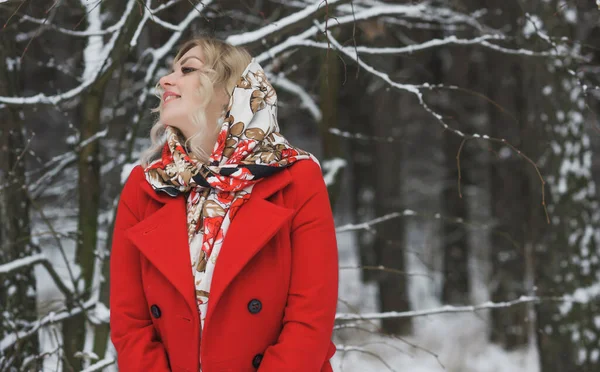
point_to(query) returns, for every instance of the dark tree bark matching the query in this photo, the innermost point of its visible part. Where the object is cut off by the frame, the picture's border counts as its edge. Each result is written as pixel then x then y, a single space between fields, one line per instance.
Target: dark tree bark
pixel 329 102
pixel 511 203
pixel 361 159
pixel 89 191
pixel 456 288
pixel 568 261
pixel 389 244
pixel 386 118
pixel 514 188
pixel 459 111
pixel 17 290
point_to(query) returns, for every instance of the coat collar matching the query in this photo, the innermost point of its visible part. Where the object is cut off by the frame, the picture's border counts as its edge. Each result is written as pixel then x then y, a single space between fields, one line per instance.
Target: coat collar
pixel 162 237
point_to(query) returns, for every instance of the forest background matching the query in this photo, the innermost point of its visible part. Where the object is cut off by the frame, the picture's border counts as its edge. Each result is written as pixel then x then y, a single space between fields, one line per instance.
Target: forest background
pixel 459 140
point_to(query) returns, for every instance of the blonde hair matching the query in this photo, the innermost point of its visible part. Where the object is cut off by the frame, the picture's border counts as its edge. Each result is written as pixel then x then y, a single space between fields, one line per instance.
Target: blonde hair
pixel 223 66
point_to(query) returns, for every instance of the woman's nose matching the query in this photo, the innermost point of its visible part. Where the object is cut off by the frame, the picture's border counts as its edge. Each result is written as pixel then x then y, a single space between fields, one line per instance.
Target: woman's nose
pixel 166 80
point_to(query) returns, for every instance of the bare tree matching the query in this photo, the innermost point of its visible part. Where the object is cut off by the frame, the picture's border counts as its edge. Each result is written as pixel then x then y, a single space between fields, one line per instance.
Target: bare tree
pixel 515 189
pixel 17 291
pixel 568 259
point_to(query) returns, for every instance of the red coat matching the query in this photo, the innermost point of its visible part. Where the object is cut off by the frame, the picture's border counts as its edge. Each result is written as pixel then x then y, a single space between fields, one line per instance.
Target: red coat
pixel 274 291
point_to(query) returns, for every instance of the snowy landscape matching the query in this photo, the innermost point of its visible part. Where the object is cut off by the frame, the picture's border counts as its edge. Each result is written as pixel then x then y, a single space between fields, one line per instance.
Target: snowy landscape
pixel 459 141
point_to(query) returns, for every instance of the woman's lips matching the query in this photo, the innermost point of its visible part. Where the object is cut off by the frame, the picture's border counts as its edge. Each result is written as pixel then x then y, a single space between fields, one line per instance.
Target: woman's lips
pixel 170 98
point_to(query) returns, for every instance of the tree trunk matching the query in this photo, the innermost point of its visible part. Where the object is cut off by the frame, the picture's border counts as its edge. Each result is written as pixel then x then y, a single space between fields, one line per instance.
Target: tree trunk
pixel 89 193
pixel 389 244
pixel 515 190
pixel 456 288
pixel 569 262
pixel 18 290
pixel 455 236
pixel 329 102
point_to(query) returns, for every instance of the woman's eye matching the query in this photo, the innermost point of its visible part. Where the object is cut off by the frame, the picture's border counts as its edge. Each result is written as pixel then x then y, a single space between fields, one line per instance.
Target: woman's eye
pixel 186 70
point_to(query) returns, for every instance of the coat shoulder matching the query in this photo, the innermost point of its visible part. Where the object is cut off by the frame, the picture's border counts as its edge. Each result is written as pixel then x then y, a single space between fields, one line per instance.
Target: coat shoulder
pixel 306 172
pixel 132 183
pixel 130 195
pixel 307 180
pixel 136 175
pixel 305 167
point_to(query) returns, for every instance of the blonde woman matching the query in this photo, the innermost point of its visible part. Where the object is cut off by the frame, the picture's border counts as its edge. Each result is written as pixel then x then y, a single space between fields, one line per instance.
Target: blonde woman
pixel 224 253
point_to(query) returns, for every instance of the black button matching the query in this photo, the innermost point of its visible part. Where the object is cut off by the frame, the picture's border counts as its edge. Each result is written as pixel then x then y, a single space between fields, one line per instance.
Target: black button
pixel 256 360
pixel 155 310
pixel 254 306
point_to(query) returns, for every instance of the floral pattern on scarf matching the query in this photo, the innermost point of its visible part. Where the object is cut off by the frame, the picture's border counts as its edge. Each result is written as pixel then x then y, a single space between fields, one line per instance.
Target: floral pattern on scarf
pixel 249 147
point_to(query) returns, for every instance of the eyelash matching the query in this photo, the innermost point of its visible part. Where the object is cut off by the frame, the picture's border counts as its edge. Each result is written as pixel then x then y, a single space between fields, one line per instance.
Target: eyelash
pixel 184 69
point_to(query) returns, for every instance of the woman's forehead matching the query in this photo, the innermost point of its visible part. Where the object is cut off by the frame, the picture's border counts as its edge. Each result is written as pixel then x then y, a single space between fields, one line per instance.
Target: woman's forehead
pixel 194 53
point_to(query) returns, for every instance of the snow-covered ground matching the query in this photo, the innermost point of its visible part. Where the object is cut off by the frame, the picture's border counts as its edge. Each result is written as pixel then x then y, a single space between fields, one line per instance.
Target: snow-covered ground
pixel 440 343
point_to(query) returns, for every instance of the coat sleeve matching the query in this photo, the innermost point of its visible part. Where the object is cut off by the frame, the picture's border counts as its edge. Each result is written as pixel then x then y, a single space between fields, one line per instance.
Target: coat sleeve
pixel 132 332
pixel 305 340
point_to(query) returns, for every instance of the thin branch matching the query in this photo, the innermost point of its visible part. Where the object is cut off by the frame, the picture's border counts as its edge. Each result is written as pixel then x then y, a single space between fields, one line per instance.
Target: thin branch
pixel 52 318
pixel 305 99
pixel 462 145
pixel 346 348
pixel 386 269
pixel 281 26
pixel 99 365
pixel 70 94
pixel 415 90
pixel 451 309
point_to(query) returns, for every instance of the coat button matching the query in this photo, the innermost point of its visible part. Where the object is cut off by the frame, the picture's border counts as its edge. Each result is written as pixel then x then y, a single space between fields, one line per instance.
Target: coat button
pixel 155 310
pixel 254 306
pixel 256 360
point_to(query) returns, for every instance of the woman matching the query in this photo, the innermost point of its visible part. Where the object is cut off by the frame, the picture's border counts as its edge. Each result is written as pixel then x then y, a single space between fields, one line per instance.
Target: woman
pixel 224 254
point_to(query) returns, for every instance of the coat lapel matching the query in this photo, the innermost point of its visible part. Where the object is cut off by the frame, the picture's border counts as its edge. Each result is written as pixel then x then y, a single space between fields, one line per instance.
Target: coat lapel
pixel 162 237
pixel 253 226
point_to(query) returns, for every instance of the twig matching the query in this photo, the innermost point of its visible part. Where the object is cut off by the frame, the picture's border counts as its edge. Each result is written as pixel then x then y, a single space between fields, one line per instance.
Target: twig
pixel 462 144
pixel 450 309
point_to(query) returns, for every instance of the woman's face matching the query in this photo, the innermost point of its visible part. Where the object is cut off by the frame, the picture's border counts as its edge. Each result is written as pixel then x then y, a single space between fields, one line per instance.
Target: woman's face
pixel 181 97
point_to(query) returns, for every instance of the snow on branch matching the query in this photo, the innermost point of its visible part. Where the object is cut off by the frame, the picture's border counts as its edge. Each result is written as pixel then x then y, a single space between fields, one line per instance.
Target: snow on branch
pixel 91 77
pixel 21 263
pixel 52 318
pixel 385 77
pixel 65 31
pixel 367 225
pixel 450 309
pixel 416 90
pixel 285 23
pixel 360 136
pixel 408 10
pixel 165 6
pixel 40 258
pixel 385 269
pixel 434 43
pixel 160 53
pixel 332 167
pixel 306 100
pixel 100 365
pixel 150 14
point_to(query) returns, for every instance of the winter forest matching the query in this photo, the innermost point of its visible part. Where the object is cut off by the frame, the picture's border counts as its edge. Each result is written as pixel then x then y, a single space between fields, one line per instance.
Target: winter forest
pixel 458 139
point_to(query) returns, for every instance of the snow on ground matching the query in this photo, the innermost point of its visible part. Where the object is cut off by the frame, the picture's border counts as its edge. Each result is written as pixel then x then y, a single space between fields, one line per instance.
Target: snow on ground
pixel 440 343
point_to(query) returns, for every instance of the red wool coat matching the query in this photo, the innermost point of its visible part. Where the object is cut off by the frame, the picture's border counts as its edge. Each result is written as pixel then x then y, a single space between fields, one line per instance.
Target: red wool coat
pixel 274 291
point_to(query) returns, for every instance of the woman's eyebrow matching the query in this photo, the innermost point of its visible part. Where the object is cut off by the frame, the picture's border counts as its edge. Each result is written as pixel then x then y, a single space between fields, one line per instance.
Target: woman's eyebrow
pixel 183 61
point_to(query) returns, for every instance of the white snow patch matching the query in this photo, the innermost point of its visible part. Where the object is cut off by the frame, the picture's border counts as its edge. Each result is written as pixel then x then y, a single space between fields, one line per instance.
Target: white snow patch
pixel 126 171
pixel 533 24
pixel 332 167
